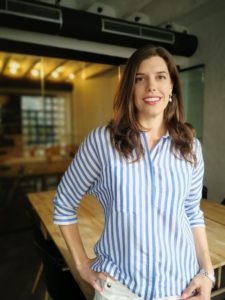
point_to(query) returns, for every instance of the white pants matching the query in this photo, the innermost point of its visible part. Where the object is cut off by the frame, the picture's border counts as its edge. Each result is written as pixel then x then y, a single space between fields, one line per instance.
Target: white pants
pixel 114 290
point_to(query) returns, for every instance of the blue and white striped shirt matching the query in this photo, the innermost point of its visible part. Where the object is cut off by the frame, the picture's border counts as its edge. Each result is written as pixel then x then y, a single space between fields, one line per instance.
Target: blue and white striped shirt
pixel 150 207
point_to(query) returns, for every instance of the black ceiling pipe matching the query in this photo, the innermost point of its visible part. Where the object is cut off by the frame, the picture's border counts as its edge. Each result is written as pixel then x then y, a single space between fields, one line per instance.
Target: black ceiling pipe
pixel 62 21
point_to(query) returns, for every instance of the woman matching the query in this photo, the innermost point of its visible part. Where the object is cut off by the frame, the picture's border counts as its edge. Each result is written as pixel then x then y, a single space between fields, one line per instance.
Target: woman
pixel 146 170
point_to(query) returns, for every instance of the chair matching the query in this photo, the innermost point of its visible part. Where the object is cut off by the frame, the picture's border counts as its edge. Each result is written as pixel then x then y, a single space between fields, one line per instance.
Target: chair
pixel 58 279
pixel 10 188
pixel 204 192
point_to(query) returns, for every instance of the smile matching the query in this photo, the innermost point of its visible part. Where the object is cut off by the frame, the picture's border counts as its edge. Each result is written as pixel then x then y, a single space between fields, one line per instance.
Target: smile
pixel 152 100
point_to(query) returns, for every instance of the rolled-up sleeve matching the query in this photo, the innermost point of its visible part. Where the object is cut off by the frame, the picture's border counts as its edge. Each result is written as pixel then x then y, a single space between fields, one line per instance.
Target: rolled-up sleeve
pixel 80 177
pixel 192 202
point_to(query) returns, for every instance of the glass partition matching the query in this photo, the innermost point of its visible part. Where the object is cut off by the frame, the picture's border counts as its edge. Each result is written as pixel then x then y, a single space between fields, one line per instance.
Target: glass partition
pixel 193 91
pixel 47 106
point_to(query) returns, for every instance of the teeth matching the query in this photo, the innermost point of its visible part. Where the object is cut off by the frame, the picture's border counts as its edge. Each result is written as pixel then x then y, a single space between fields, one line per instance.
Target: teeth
pixel 151 99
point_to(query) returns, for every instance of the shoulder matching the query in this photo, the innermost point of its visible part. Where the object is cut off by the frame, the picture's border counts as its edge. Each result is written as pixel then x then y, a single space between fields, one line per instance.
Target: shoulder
pixel 97 139
pixel 197 150
pixel 197 145
pixel 101 133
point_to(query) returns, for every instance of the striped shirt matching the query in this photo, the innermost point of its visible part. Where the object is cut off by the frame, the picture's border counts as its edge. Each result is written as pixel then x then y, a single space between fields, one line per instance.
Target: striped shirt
pixel 150 207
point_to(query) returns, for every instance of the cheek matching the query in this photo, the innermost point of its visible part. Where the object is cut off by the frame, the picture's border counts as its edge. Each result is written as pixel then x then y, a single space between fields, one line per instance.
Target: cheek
pixel 167 91
pixel 138 91
pixel 135 95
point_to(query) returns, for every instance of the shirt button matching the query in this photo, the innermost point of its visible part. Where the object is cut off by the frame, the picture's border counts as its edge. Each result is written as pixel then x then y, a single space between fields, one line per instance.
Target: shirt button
pixel 109 285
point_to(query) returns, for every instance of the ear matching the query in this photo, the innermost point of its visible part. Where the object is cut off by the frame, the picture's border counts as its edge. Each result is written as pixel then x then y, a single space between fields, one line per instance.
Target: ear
pixel 171 88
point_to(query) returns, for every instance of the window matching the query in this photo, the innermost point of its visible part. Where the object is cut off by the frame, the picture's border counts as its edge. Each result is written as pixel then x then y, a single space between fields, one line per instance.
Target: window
pixel 43 120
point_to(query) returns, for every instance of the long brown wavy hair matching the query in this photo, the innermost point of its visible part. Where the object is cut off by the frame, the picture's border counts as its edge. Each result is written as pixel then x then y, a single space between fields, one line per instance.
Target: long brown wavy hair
pixel 124 126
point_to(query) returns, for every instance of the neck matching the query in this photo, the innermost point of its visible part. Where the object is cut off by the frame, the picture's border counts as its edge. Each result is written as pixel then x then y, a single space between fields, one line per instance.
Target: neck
pixel 155 128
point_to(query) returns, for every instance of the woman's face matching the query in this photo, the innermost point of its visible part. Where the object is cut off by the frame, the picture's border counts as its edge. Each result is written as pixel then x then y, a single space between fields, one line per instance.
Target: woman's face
pixel 153 86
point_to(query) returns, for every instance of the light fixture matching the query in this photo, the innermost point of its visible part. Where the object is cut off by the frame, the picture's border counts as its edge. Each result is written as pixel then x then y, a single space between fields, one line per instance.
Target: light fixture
pixel 14 66
pixel 55 74
pixel 35 70
pixel 35 73
pixel 83 74
pixel 71 76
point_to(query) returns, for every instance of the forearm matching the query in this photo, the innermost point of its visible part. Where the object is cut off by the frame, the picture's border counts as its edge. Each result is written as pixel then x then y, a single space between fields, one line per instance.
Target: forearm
pixel 200 283
pixel 74 243
pixel 82 262
pixel 202 250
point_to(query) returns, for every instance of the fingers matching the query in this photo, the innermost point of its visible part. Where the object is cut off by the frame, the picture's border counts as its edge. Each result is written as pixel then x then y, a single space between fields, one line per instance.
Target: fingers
pixel 102 276
pixel 92 276
pixel 200 285
pixel 107 275
pixel 97 283
pixel 93 280
pixel 188 292
pixel 97 287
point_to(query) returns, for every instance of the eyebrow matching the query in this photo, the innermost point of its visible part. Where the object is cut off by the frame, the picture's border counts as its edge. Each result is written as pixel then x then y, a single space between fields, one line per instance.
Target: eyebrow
pixel 162 72
pixel 158 72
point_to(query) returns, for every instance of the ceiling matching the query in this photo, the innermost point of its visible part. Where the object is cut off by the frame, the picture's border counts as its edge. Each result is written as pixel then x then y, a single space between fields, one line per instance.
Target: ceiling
pixel 29 67
pixel 178 14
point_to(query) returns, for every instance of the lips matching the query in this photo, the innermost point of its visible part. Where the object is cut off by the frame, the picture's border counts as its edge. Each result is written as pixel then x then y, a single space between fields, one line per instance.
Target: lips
pixel 152 100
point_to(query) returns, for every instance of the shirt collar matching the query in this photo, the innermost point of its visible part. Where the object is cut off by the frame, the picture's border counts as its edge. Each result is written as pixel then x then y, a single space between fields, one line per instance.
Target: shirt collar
pixel 166 135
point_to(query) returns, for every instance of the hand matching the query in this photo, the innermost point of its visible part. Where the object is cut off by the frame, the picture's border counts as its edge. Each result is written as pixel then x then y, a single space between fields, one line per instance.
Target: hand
pixel 200 284
pixel 91 276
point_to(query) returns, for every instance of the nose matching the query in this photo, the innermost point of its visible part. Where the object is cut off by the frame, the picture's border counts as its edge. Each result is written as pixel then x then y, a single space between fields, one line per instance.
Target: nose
pixel 151 88
pixel 151 85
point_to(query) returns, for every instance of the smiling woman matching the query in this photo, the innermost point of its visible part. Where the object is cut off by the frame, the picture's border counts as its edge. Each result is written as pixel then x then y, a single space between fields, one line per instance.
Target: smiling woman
pixel 146 170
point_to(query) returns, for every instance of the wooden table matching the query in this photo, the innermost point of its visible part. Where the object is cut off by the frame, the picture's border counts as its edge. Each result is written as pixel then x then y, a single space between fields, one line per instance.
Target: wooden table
pixel 213 211
pixel 91 224
pixel 34 166
pixel 216 239
pixel 33 173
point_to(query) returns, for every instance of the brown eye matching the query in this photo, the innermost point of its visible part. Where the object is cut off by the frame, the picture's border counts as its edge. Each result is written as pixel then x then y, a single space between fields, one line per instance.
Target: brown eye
pixel 162 77
pixel 139 79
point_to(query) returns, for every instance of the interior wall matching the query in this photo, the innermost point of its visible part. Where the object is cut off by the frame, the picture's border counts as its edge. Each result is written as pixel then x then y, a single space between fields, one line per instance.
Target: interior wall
pixel 93 102
pixel 211 53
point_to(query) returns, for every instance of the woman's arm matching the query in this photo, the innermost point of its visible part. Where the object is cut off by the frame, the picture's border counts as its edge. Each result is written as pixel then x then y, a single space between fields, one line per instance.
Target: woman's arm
pixel 82 262
pixel 200 283
pixel 202 250
pixel 78 180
